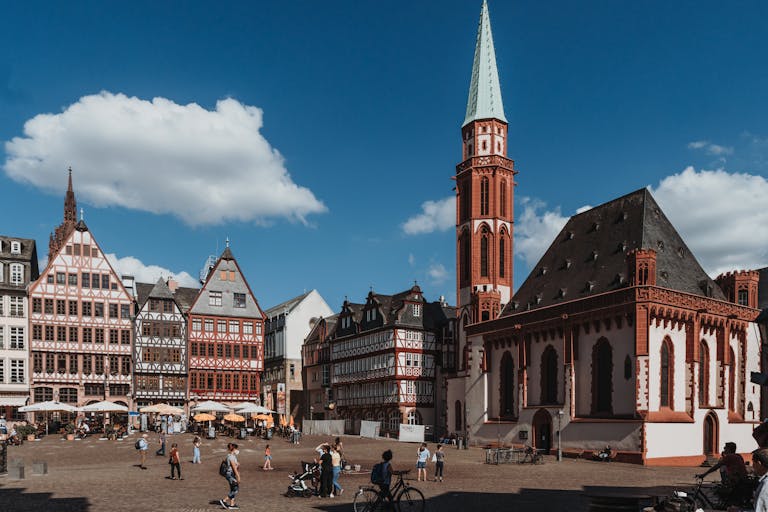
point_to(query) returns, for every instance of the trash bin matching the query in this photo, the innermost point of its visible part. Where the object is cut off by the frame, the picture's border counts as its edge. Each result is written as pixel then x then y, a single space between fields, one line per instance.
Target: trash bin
pixel 211 432
pixel 459 443
pixel 243 434
pixel 268 435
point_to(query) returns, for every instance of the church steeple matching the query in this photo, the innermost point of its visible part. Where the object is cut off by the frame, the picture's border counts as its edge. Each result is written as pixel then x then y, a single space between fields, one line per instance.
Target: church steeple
pixel 484 191
pixel 64 229
pixel 484 100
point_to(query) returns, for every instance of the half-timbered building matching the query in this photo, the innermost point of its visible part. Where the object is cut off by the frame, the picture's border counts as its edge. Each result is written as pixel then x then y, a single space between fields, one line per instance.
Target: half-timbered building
pixel 226 336
pixel 316 369
pixel 81 322
pixel 383 354
pixel 287 326
pixel 617 337
pixel 160 347
pixel 18 267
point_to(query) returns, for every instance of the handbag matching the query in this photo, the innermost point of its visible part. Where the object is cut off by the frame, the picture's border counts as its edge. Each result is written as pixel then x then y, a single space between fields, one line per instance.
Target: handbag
pixel 434 457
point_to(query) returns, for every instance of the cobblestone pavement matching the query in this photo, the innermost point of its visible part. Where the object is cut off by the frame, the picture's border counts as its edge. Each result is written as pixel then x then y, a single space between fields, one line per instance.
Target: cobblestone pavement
pixel 103 476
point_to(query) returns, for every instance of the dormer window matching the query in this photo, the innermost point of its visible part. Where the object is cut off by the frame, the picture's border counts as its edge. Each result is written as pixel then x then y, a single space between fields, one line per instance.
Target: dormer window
pixel 416 310
pixel 537 299
pixel 566 264
pixel 595 227
pixel 593 256
pixel 15 247
pixel 589 286
pixel 622 247
pixel 568 235
pixel 542 271
pixel 561 293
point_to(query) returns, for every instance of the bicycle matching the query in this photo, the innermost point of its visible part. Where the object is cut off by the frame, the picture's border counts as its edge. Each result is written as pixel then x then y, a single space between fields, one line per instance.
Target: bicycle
pixel 402 496
pixel 715 496
pixel 532 456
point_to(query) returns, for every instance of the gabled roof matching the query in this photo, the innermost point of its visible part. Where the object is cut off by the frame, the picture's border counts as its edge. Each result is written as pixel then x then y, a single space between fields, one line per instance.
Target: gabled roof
pixel 183 296
pixel 161 290
pixel 484 100
pixel 287 305
pixel 589 255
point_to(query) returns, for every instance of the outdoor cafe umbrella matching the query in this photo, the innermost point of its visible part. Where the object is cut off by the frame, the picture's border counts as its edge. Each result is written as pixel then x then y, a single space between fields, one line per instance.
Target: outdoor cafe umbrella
pixel 244 405
pixel 46 407
pixel 204 416
pixel 255 409
pixel 235 418
pixel 104 406
pixel 210 406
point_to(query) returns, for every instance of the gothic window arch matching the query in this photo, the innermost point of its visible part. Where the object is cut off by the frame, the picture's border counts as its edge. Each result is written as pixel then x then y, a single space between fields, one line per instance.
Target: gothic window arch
pixel 602 378
pixel 703 373
pixel 627 368
pixel 484 243
pixel 667 374
pixel 507 386
pixel 549 375
pixel 457 421
pixel 732 381
pixel 465 194
pixel 503 198
pixel 484 195
pixel 464 257
pixel 502 255
pixel 414 417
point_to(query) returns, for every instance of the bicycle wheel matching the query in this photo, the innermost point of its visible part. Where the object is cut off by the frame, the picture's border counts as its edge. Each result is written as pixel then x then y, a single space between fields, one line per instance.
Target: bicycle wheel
pixel 366 500
pixel 410 499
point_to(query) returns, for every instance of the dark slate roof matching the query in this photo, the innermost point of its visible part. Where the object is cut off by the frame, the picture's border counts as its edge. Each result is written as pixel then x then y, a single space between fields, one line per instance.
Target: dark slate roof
pixel 589 255
pixel 28 248
pixel 287 305
pixel 184 297
pixel 142 292
pixel 161 290
pixel 762 289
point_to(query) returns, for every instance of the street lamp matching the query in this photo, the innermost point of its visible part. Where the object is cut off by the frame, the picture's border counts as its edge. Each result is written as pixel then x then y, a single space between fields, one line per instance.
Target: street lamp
pixel 559 435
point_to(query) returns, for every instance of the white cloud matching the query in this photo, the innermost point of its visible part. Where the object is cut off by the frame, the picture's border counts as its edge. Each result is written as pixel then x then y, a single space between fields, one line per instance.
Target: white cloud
pixel 721 216
pixel 202 166
pixel 535 228
pixel 128 265
pixel 435 216
pixel 411 259
pixel 710 148
pixel 437 273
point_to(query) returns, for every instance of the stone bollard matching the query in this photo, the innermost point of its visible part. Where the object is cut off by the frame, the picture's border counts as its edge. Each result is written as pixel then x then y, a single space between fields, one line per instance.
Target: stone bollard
pixel 16 470
pixel 39 467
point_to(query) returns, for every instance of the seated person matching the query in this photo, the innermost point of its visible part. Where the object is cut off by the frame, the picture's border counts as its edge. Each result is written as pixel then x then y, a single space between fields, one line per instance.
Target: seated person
pixel 604 455
pixel 13 437
pixel 731 465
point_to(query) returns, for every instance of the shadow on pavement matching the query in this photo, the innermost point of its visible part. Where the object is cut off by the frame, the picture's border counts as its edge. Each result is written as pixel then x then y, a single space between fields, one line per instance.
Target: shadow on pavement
pixel 16 500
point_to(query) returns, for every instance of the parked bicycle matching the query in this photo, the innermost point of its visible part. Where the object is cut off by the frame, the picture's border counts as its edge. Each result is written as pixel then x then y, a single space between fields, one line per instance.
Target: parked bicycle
pixel 402 497
pixel 532 456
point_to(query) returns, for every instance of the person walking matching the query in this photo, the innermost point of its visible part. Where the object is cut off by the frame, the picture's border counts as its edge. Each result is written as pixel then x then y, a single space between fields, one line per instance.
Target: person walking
pixel 175 461
pixel 143 448
pixel 439 458
pixel 326 473
pixel 421 462
pixel 233 478
pixel 161 441
pixel 336 461
pixel 196 450
pixel 267 459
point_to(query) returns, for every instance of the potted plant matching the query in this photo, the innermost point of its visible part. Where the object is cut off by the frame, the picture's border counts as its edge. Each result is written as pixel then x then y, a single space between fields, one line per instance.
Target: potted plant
pixel 69 430
pixel 26 431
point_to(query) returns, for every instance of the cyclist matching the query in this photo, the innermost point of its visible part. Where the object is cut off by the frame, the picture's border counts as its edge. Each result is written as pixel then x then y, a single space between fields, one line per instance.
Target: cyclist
pixel 731 466
pixel 384 480
pixel 760 463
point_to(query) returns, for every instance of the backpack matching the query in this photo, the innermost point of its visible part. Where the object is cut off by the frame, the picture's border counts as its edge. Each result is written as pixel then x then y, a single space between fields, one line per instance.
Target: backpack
pixel 137 445
pixel 377 473
pixel 224 467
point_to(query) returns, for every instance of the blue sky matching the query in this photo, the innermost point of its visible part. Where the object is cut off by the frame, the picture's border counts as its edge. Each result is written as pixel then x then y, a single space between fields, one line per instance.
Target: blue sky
pixel 310 133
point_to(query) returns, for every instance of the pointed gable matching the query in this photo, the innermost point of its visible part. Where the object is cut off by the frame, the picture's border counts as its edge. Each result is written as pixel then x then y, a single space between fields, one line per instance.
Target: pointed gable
pixel 589 255
pixel 226 292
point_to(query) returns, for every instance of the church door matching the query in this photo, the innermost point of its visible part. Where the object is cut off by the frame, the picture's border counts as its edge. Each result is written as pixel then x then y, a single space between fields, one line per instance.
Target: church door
pixel 542 430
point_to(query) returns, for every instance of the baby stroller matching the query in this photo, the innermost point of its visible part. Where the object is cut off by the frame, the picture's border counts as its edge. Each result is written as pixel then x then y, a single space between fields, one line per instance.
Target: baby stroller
pixel 305 482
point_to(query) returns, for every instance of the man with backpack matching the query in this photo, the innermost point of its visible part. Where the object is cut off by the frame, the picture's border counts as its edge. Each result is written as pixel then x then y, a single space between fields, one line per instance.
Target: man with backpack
pixel 142 446
pixel 381 475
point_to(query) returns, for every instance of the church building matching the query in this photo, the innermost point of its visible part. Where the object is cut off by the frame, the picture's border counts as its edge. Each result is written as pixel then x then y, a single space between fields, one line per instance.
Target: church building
pixel 617 337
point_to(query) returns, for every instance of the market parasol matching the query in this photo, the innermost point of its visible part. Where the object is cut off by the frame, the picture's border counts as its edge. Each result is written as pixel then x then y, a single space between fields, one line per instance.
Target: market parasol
pixel 46 407
pixel 210 406
pixel 104 406
pixel 204 416
pixel 236 418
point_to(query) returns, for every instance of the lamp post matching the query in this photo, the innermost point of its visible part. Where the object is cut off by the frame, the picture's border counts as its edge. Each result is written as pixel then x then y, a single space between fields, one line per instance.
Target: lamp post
pixel 559 435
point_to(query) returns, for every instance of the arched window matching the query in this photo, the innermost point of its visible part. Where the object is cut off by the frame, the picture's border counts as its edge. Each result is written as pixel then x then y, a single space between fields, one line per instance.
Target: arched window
pixel 394 421
pixel 667 374
pixel 732 380
pixel 602 378
pixel 502 255
pixel 484 253
pixel 484 186
pixel 703 373
pixel 464 254
pixel 503 198
pixel 465 193
pixel 507 387
pixel 382 419
pixel 549 375
pixel 627 368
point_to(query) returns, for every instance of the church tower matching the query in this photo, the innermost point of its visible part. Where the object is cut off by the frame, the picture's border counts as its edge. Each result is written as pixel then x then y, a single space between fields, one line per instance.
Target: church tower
pixel 63 231
pixel 484 191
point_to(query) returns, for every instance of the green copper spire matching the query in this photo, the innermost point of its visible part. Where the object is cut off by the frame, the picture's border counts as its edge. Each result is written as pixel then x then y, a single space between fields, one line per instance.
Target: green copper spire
pixel 484 91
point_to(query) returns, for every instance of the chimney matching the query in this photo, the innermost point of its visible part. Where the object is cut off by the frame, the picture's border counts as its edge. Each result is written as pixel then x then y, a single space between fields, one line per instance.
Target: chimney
pixel 129 285
pixel 173 285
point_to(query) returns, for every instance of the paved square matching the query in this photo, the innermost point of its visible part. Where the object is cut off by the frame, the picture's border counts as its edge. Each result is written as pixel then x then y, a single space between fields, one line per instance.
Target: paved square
pixel 102 476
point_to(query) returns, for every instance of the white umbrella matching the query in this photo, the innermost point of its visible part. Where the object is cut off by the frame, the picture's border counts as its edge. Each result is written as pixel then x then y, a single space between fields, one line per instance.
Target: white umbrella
pixel 256 409
pixel 210 406
pixel 46 407
pixel 104 406
pixel 243 405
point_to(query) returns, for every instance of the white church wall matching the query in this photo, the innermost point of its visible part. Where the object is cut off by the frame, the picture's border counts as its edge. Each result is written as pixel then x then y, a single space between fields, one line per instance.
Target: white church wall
pixel 534 370
pixel 656 335
pixel 588 435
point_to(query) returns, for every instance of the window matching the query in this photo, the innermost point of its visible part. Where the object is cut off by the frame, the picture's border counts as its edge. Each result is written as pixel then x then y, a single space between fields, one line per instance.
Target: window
pixel 48 333
pixel 99 369
pixel 112 310
pixel 61 334
pixel 87 364
pixel 125 311
pixel 95 281
pixel 239 300
pixel 85 279
pixel 98 335
pixel 17 338
pixel 502 254
pixel 61 307
pixel 73 338
pixel 549 375
pixel 72 279
pixel 667 367
pixel 234 326
pixel 37 305
pixel 37 362
pixel 248 327
pixel 503 198
pixel 68 395
pixel 416 310
pixel 125 337
pixel 602 378
pixel 98 309
pixel 704 373
pixel 627 368
pixel 208 325
pixel 484 185
pixel 743 299
pixel 73 308
pixel 49 363
pixel 15 247
pixel 197 325
pixel 221 327
pixel 105 281
pixel 214 298
pixel 484 254
pixel 17 273
pixel 17 306
pixel 2 336
pixel 86 308
pixel 43 394
pixel 61 278
pixel 87 335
